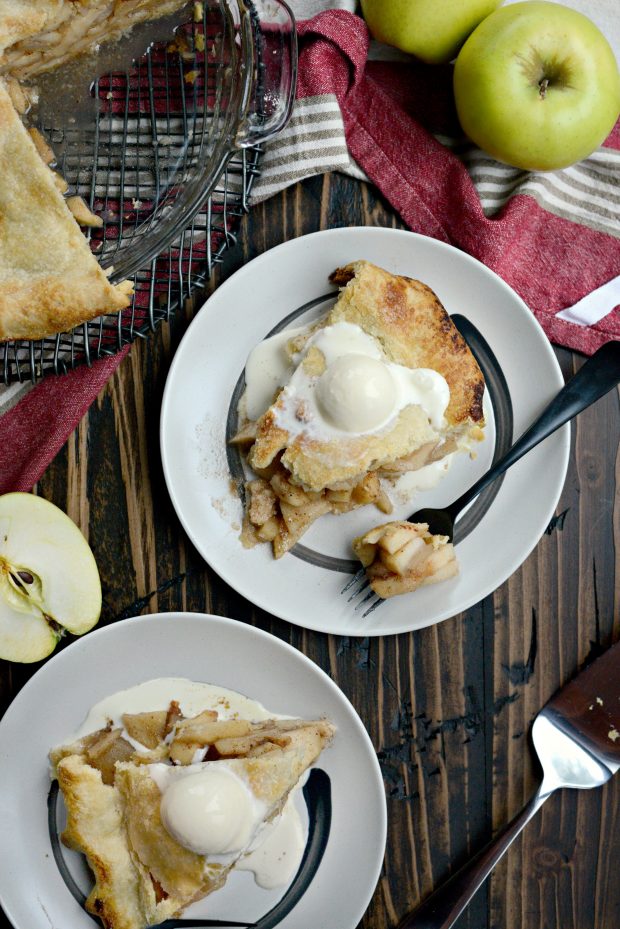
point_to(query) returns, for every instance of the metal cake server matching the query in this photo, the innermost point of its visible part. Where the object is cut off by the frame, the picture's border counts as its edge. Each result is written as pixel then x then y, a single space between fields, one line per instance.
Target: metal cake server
pixel 577 740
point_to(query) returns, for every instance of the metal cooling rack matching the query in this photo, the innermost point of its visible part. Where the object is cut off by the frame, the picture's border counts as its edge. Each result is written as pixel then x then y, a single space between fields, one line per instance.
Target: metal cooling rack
pixel 165 132
pixel 170 279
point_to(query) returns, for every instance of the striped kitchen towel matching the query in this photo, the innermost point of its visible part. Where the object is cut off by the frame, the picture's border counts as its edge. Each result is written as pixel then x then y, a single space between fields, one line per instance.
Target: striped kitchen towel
pixel 554 236
pixel 314 141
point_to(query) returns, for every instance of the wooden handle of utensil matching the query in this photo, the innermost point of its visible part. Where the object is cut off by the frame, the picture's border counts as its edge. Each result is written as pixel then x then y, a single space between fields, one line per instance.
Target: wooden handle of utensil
pixel 445 905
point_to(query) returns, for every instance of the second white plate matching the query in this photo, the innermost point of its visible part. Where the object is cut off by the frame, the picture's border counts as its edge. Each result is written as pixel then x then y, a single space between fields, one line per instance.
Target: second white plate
pixel 286 286
pixel 37 893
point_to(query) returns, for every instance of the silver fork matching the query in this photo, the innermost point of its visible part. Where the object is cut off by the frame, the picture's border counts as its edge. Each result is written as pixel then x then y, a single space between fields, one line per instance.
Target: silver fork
pixel 594 379
pixel 577 740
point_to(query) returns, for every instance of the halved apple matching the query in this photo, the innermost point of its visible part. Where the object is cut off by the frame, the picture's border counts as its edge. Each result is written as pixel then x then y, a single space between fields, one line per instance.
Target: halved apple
pixel 49 582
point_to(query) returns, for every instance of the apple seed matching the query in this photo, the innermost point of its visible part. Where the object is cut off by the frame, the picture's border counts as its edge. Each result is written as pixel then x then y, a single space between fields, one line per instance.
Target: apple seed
pixel 23 582
pixel 20 578
pixel 17 582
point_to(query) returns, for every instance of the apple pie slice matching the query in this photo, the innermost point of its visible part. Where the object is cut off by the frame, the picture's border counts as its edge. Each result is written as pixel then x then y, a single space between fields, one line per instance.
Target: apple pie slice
pixel 384 384
pixel 49 279
pixel 131 795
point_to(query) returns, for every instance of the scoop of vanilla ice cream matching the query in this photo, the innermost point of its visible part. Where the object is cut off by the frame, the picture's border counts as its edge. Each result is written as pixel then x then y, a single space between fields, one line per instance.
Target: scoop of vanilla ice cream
pixel 210 812
pixel 356 393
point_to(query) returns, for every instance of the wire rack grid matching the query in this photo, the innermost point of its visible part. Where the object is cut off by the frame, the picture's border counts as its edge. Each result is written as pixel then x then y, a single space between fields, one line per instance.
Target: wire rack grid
pixel 139 163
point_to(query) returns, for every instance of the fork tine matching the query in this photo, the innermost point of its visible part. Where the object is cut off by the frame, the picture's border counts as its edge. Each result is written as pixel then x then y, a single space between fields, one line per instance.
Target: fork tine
pixel 360 590
pixel 368 597
pixel 373 607
pixel 356 577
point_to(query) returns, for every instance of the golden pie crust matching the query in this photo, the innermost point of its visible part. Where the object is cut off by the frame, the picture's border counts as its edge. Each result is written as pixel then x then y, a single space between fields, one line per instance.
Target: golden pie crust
pixel 142 875
pixel 300 478
pixel 49 279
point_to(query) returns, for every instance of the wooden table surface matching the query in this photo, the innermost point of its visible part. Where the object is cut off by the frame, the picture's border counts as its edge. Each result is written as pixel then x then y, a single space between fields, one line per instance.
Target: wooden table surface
pixel 448 708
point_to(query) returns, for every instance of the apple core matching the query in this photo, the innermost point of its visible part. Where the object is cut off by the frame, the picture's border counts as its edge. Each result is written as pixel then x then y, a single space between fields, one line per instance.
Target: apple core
pixel 49 580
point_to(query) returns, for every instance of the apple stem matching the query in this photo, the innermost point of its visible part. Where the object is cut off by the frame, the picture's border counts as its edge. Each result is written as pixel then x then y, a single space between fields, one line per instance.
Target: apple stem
pixel 56 628
pixel 543 87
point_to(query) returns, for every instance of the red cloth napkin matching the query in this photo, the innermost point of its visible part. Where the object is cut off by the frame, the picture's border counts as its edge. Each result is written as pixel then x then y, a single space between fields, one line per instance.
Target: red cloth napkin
pixel 550 261
pixel 36 428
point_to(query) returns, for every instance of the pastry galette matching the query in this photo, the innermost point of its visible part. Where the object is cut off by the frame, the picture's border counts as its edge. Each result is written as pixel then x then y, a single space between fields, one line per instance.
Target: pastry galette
pixel 383 385
pixel 49 279
pixel 161 829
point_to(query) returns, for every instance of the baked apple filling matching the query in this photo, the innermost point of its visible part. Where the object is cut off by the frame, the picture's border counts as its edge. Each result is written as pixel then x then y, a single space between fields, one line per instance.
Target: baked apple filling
pixel 381 386
pixel 399 557
pixel 39 35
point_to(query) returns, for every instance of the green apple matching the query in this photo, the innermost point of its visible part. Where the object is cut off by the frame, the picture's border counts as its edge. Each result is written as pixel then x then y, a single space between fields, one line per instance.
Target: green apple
pixel 49 580
pixel 537 86
pixel 433 30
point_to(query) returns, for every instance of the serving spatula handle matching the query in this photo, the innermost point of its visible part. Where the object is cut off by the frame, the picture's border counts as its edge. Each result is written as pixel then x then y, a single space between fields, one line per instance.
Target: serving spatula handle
pixel 445 905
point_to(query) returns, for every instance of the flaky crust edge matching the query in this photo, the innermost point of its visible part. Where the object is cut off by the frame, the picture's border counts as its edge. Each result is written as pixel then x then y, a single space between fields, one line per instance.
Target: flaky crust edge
pixel 406 305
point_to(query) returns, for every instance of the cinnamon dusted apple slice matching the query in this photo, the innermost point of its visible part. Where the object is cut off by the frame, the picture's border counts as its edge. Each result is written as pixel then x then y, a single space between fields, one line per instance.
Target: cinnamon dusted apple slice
pixel 399 557
pixel 49 580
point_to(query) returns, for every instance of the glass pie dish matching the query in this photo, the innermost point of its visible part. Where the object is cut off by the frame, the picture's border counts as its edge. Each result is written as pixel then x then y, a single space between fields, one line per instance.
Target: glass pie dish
pixel 164 150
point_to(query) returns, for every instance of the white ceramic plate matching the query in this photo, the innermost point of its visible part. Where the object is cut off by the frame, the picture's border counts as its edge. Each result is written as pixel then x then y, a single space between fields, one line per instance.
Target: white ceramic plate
pixel 284 287
pixel 202 648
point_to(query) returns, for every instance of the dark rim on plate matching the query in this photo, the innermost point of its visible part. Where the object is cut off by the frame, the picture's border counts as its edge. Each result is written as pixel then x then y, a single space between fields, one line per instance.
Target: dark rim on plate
pixel 317 796
pixel 501 402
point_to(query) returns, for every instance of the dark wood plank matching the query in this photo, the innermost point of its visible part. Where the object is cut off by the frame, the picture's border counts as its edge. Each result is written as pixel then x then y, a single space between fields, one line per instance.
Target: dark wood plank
pixel 448 708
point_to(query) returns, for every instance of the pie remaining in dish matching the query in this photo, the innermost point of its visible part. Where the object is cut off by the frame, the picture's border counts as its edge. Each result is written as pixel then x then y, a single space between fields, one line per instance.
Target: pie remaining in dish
pixel 383 385
pixel 137 794
pixel 39 35
pixel 49 279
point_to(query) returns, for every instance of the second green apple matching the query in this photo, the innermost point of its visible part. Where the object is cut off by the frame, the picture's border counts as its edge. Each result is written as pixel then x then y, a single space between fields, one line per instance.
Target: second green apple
pixel 537 85
pixel 432 30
